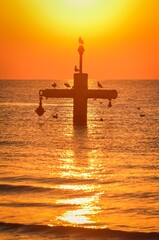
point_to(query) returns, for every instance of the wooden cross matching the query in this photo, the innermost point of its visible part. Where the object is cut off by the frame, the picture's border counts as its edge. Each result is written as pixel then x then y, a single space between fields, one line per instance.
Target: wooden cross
pixel 80 93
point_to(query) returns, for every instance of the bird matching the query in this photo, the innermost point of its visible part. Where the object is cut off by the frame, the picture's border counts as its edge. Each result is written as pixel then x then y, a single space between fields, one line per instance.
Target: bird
pixel 54 85
pixel 76 69
pixel 81 40
pixel 99 85
pixel 138 108
pixel 55 115
pixel 142 115
pixel 67 85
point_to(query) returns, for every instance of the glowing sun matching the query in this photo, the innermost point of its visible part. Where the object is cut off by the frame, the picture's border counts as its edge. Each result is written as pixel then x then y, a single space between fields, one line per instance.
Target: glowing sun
pixel 82 16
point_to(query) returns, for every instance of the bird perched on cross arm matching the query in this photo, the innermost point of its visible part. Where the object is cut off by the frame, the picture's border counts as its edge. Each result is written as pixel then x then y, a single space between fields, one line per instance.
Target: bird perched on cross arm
pixel 76 69
pixel 54 85
pixel 67 85
pixel 99 85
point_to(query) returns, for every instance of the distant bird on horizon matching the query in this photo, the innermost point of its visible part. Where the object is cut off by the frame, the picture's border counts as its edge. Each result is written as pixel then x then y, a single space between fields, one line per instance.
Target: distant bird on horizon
pixel 76 69
pixel 54 85
pixel 67 85
pixel 142 115
pixel 81 40
pixel 99 85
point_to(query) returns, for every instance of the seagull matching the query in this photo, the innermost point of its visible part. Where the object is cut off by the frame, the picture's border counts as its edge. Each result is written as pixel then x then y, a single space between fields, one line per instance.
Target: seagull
pixel 67 85
pixel 55 116
pixel 54 85
pixel 81 40
pixel 99 85
pixel 142 115
pixel 76 69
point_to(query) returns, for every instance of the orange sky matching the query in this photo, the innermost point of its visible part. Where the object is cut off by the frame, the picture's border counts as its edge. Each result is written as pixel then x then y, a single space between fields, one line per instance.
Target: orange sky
pixel 39 38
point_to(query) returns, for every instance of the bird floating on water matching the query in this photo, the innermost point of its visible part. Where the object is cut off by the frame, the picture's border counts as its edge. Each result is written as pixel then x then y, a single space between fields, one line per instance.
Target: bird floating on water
pixel 99 85
pixel 67 85
pixel 55 115
pixel 76 69
pixel 142 115
pixel 54 85
pixel 81 40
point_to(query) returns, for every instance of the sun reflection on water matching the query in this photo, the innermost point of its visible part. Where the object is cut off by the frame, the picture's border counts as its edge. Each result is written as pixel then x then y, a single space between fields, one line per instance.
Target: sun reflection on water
pixel 82 196
pixel 84 213
pixel 84 208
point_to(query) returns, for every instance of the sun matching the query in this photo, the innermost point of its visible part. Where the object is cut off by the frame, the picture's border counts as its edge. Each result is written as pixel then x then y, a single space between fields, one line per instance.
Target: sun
pixel 81 16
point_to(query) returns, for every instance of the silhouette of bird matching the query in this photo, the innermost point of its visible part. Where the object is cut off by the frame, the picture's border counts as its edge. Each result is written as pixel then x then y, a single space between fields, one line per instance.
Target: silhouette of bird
pixel 142 115
pixel 99 85
pixel 54 85
pixel 81 40
pixel 76 69
pixel 67 85
pixel 55 116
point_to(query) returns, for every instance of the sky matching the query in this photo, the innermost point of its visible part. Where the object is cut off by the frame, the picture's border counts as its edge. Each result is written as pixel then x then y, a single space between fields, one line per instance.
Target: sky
pixel 39 38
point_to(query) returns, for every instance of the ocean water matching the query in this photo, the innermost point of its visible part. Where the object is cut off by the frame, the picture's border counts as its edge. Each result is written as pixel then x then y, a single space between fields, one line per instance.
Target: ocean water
pixel 97 182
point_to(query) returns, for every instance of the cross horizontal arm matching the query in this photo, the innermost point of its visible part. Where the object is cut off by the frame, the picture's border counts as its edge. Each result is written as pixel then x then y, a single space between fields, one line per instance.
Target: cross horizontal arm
pixel 70 93
pixel 105 94
pixel 57 93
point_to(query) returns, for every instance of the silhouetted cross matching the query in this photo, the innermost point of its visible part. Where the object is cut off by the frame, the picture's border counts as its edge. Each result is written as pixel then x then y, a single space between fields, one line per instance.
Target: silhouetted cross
pixel 80 93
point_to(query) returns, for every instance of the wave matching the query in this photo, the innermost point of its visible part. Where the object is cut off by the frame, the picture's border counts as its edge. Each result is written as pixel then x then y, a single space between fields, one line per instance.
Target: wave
pixel 78 232
pixel 55 180
pixel 21 188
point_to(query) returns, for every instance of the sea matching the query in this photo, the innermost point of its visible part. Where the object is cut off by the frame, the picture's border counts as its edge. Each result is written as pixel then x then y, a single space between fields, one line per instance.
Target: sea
pixel 66 182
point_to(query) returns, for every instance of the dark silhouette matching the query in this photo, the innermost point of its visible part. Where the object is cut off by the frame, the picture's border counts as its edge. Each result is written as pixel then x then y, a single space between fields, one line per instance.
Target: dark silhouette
pixel 81 40
pixel 67 85
pixel 40 110
pixel 76 69
pixel 99 85
pixel 80 93
pixel 110 104
pixel 55 115
pixel 142 115
pixel 54 85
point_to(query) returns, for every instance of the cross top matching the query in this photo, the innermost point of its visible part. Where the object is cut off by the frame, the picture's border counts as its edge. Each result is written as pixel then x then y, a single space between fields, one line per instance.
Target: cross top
pixel 80 93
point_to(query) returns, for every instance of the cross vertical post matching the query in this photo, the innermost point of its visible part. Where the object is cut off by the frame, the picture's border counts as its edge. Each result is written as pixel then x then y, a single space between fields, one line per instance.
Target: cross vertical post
pixel 80 99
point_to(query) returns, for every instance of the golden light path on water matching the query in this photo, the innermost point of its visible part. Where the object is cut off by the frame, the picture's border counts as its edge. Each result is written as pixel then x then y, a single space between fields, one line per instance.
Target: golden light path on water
pixel 84 209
